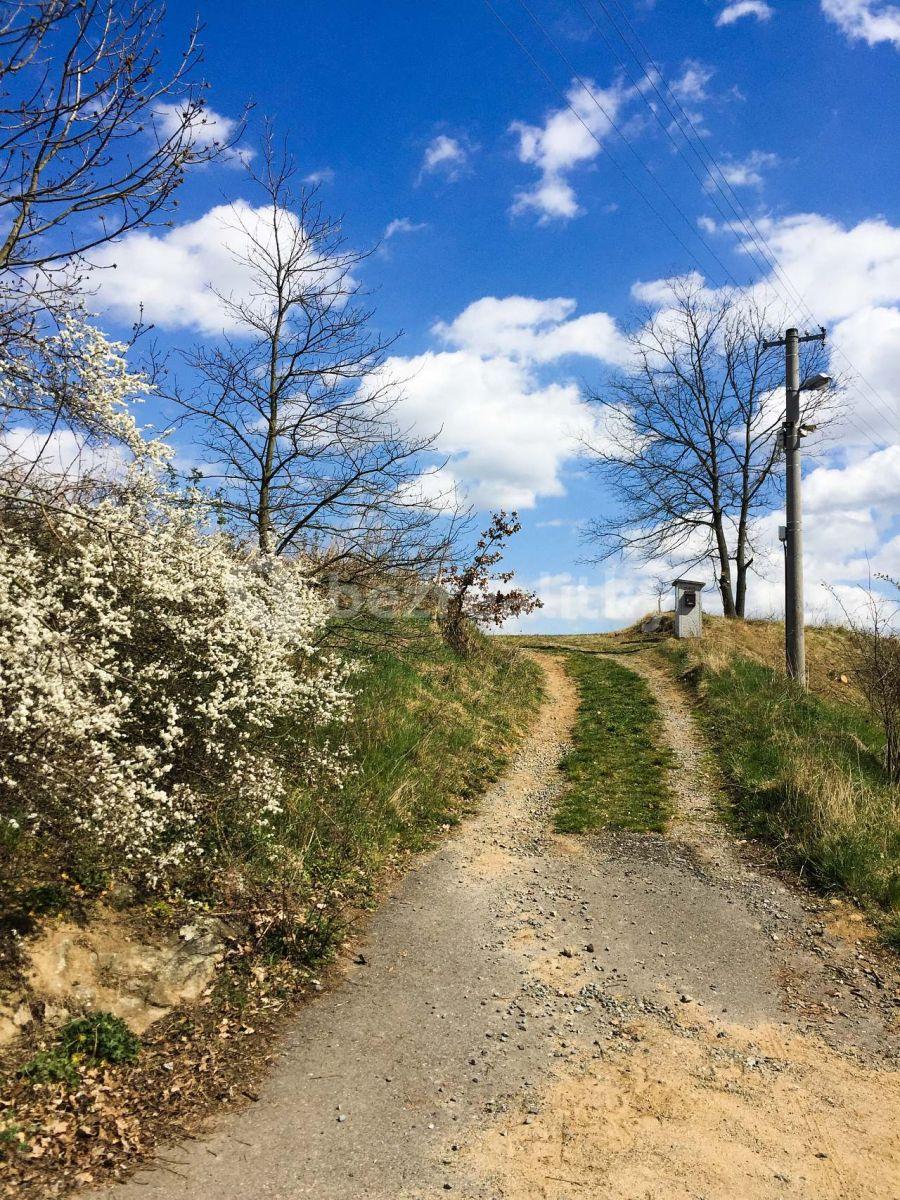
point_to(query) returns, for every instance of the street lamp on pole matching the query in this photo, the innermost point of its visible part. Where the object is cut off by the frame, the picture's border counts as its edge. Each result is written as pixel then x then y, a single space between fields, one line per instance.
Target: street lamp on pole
pixel 792 431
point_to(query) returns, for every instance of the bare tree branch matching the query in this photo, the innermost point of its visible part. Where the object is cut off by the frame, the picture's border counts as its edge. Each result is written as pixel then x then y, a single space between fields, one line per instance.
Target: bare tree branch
pixel 687 437
pixel 297 417
pixel 94 136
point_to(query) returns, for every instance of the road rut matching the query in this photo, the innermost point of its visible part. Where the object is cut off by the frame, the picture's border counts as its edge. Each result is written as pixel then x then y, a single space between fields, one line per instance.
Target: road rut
pixel 541 1017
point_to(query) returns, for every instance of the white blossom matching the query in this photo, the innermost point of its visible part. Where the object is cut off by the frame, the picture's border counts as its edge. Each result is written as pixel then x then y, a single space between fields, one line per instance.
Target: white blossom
pixel 78 380
pixel 156 685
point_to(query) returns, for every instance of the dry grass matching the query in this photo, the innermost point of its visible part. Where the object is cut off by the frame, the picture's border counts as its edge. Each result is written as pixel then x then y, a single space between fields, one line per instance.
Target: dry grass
pixel 829 653
pixel 840 821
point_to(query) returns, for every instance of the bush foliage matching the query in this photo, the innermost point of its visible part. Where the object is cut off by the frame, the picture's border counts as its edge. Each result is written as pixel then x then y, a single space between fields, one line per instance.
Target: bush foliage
pixel 156 685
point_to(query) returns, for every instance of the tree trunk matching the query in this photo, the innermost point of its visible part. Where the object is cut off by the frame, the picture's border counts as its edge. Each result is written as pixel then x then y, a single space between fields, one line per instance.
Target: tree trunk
pixel 264 522
pixel 740 603
pixel 725 582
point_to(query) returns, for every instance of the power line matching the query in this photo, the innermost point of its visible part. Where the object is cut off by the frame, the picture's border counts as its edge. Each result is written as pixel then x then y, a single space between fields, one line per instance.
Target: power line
pixel 767 257
pixel 623 137
pixel 702 153
pixel 650 77
pixel 760 244
pixel 605 149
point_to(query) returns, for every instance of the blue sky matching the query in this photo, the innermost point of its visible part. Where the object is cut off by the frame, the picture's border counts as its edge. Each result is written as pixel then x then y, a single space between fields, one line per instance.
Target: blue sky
pixel 512 247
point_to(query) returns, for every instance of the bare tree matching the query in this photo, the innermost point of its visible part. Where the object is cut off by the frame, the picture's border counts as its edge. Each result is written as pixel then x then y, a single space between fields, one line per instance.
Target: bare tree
pixel 687 437
pixel 297 415
pixel 95 137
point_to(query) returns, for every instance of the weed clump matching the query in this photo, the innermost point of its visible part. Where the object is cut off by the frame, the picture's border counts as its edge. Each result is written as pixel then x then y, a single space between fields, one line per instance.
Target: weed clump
pixel 101 1036
pixel 98 1037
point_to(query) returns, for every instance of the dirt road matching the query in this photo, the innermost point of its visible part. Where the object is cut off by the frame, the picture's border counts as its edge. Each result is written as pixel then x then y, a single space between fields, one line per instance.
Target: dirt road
pixel 550 1018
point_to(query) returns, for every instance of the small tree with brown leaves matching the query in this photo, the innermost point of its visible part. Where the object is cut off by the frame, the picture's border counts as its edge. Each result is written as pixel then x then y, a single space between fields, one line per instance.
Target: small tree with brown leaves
pixel 473 598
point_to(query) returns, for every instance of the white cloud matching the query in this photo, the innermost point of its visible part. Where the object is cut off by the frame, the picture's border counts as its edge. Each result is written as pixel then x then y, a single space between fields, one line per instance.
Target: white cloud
pixel 530 330
pixel 316 178
pixel 838 269
pixel 573 136
pixel 508 431
pixel 691 84
pixel 744 8
pixel 568 600
pixel 566 139
pixel 208 130
pixel 844 547
pixel 845 540
pixel 870 21
pixel 445 156
pixel 506 435
pixel 658 292
pixel 402 225
pixel 873 480
pixel 60 453
pixel 848 278
pixel 613 596
pixel 176 275
pixel 870 340
pixel 746 172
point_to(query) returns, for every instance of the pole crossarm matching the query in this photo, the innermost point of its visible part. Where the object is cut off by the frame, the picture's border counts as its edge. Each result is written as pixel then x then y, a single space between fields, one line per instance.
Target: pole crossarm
pixel 801 337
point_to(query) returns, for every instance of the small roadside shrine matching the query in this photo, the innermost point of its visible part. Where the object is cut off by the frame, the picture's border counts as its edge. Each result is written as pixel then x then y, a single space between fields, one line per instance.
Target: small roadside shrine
pixel 688 610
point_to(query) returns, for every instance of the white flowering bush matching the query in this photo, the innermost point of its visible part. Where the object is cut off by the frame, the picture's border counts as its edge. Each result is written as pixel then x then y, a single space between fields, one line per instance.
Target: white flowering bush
pixel 160 692
pixel 73 380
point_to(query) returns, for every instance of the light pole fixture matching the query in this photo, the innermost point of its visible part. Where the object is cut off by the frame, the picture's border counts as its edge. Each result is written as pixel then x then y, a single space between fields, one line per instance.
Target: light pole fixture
pixel 815 383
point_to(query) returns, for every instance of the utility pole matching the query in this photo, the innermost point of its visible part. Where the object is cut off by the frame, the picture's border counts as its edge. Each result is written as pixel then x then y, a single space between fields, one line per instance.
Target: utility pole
pixel 791 433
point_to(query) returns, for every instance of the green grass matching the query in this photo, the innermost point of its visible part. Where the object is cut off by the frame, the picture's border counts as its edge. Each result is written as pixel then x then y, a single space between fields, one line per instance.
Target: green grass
pixel 430 731
pixel 618 766
pixel 805 772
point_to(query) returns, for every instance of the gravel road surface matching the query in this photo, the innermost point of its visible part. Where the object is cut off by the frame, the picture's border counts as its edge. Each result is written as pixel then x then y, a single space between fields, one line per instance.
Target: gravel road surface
pixel 540 1017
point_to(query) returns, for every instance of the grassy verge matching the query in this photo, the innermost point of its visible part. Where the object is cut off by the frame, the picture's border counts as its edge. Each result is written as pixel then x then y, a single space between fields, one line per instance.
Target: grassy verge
pixel 804 769
pixel 429 733
pixel 617 768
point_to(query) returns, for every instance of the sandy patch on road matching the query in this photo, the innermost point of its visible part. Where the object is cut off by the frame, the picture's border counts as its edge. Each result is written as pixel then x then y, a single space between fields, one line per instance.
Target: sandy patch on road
pixel 557 971
pixel 492 863
pixel 753 1115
